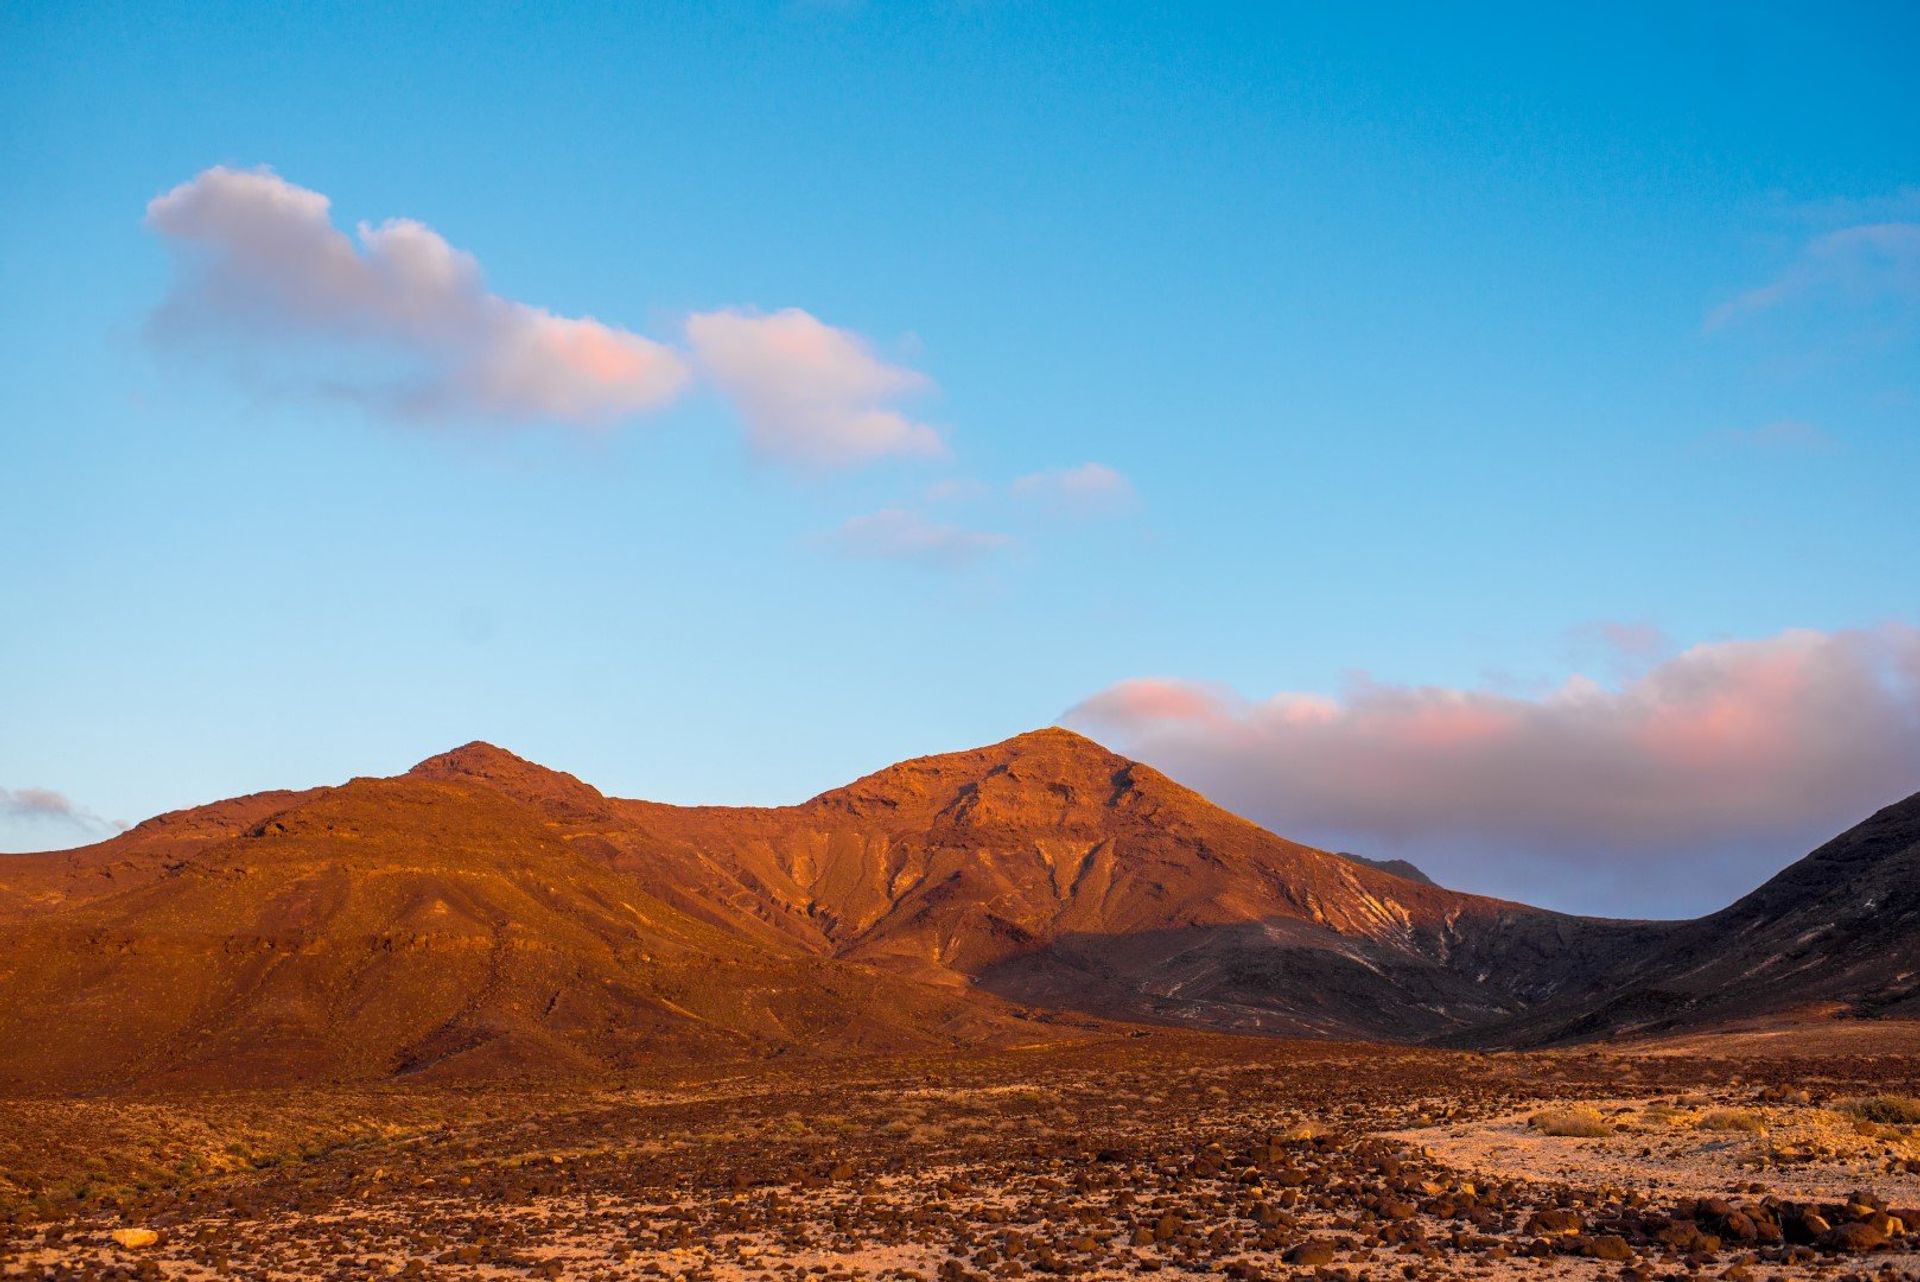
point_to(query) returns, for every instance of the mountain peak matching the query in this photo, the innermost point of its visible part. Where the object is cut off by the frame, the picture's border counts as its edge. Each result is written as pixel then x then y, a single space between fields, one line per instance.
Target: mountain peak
pixel 1056 744
pixel 483 762
pixel 1056 734
pixel 478 758
pixel 1046 776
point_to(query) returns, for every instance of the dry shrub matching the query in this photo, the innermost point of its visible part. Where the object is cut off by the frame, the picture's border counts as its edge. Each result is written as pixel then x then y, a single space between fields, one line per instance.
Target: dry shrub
pixel 1304 1131
pixel 1581 1122
pixel 1877 1130
pixel 1889 1110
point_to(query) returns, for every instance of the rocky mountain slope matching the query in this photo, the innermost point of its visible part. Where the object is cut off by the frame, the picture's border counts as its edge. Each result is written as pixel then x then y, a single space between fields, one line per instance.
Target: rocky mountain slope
pixel 448 922
pixel 481 916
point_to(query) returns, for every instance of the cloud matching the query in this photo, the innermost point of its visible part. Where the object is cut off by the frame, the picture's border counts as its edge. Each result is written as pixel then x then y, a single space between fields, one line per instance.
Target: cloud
pixel 1868 263
pixel 1784 435
pixel 1736 753
pixel 37 803
pixel 408 316
pixel 1901 205
pixel 396 319
pixel 1091 489
pixel 957 489
pixel 811 394
pixel 1622 638
pixel 1622 648
pixel 895 534
pixel 46 805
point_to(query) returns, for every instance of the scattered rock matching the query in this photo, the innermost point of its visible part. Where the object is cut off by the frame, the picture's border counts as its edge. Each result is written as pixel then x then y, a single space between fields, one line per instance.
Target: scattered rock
pixel 1854 1238
pixel 1312 1253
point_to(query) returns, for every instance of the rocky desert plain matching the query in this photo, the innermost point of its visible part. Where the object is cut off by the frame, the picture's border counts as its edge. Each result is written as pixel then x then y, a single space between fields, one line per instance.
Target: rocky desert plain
pixel 1031 1010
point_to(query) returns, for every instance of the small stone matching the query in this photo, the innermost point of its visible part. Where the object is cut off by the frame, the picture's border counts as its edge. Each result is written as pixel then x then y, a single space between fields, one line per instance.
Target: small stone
pixel 1311 1253
pixel 1554 1220
pixel 1610 1246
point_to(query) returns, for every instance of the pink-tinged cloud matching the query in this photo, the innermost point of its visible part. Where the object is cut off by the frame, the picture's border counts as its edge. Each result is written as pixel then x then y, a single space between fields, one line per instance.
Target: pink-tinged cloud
pixel 404 320
pixel 895 534
pixel 1159 702
pixel 1863 264
pixel 1091 489
pixel 1745 751
pixel 811 394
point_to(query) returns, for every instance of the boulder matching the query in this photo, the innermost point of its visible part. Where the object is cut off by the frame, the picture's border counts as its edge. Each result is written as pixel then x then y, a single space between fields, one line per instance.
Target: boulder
pixel 1855 1238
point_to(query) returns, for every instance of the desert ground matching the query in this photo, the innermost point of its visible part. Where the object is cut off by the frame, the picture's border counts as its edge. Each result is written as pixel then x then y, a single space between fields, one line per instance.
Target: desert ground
pixel 1765 1155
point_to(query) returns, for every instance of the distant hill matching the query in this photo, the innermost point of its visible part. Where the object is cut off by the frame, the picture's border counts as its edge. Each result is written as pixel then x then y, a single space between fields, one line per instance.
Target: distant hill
pixel 482 916
pixel 1397 867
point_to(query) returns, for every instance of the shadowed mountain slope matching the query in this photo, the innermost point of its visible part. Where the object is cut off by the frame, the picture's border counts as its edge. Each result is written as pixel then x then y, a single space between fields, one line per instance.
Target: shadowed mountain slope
pixel 1837 933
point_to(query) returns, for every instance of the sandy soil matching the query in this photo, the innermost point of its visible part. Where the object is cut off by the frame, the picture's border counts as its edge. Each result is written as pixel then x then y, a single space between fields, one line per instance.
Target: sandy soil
pixel 1685 1146
pixel 1180 1155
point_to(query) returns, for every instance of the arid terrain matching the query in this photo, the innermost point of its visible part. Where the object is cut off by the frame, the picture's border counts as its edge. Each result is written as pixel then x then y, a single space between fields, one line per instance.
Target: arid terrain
pixel 482 918
pixel 1029 1009
pixel 1174 1153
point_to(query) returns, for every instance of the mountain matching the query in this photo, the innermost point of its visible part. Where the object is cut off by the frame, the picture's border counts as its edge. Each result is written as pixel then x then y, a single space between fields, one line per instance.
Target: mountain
pixel 1398 867
pixel 1837 933
pixel 459 920
pixel 482 916
pixel 1053 873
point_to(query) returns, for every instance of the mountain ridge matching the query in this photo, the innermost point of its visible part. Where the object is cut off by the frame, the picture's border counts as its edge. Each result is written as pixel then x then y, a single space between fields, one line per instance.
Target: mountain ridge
pixel 481 914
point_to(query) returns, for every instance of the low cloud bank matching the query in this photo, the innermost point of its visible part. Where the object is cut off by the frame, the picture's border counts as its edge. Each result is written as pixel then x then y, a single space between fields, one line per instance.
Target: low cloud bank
pixel 1676 791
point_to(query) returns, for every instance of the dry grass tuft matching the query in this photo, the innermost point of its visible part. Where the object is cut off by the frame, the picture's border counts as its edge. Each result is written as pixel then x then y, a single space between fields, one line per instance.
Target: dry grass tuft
pixel 1581 1122
pixel 1889 1110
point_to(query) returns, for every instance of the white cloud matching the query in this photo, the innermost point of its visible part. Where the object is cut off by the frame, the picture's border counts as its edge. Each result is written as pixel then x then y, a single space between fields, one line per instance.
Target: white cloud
pixel 416 331
pixel 811 394
pixel 895 534
pixel 1867 263
pixel 1090 489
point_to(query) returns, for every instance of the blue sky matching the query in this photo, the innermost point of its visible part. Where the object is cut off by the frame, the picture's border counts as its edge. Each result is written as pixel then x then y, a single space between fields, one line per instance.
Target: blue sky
pixel 1463 353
